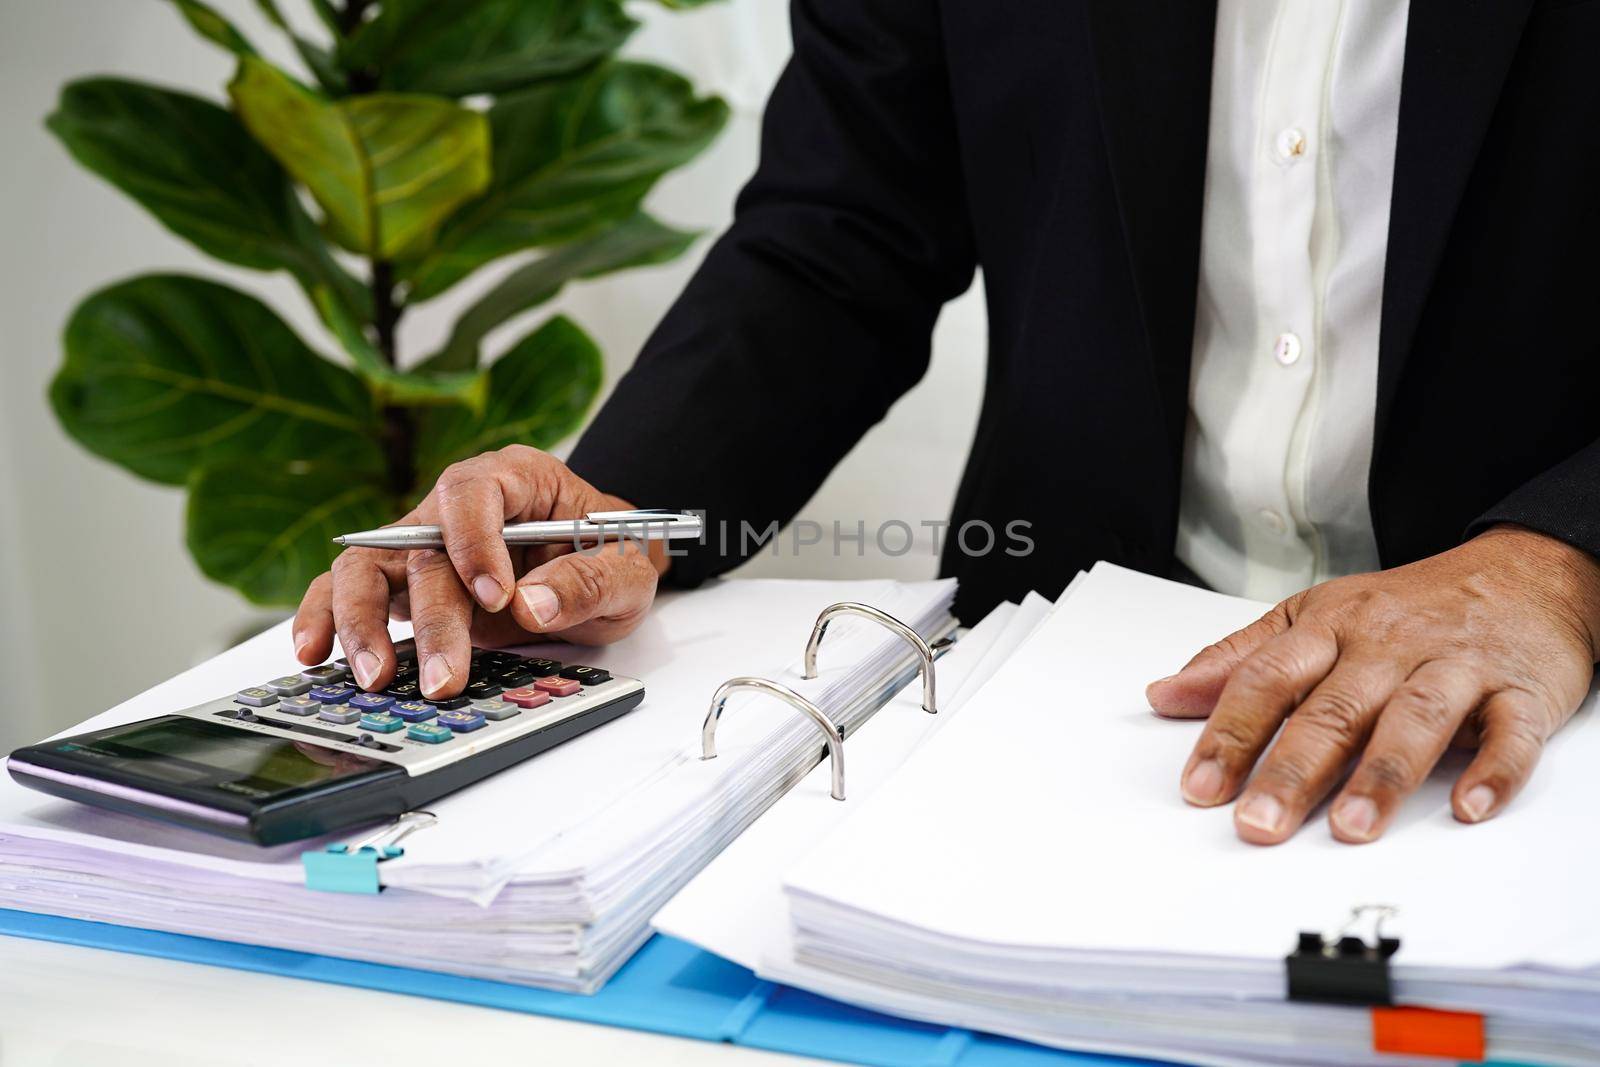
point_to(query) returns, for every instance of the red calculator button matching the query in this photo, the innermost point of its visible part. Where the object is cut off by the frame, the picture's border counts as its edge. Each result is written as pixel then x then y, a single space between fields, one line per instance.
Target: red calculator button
pixel 527 697
pixel 555 686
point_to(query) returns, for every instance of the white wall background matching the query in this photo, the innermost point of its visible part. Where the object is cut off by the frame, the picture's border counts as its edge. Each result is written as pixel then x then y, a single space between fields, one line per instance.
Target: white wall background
pixel 98 599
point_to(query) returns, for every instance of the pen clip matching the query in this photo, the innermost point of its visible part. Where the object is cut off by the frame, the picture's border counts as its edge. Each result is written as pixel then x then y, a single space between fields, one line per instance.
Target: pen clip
pixel 641 515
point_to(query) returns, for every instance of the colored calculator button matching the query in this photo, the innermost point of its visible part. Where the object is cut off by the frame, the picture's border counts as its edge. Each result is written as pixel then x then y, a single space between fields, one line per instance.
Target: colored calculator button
pixel 413 710
pixel 587 675
pixel 462 720
pixel 288 686
pixel 526 698
pixel 428 732
pixel 327 674
pixel 257 696
pixel 301 705
pixel 451 703
pixel 382 722
pixel 371 701
pixel 557 687
pixel 496 709
pixel 343 714
pixel 333 694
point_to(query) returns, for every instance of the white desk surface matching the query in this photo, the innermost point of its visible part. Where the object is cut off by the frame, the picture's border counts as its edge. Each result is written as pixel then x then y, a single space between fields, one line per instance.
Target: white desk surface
pixel 64 1006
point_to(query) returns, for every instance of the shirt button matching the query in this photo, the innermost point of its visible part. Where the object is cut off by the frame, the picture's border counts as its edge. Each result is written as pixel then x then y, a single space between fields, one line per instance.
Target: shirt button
pixel 1272 520
pixel 1291 145
pixel 1286 349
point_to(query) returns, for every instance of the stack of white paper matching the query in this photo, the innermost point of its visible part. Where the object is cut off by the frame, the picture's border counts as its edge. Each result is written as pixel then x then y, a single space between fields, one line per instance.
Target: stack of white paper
pixel 1033 871
pixel 545 874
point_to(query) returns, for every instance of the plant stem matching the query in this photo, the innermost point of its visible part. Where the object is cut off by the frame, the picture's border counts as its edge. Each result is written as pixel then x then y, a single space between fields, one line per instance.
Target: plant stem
pixel 399 431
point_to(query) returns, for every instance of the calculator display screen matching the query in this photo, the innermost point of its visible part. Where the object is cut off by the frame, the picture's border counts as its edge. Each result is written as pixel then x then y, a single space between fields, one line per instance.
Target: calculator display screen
pixel 187 751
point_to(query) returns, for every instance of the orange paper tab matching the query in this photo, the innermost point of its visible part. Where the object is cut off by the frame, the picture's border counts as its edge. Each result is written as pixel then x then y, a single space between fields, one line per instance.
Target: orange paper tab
pixel 1456 1035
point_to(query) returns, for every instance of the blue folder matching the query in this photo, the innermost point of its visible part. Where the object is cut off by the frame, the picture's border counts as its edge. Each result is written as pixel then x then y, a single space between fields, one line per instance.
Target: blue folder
pixel 669 987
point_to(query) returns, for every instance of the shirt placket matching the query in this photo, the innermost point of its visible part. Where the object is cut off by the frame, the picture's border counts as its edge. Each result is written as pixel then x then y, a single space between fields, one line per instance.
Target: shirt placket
pixel 1283 212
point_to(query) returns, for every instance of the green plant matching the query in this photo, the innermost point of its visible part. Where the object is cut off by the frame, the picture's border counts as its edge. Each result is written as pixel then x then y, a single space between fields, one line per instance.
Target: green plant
pixel 436 136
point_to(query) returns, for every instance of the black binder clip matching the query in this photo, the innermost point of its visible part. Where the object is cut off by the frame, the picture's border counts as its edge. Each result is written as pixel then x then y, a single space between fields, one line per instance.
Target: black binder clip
pixel 1344 968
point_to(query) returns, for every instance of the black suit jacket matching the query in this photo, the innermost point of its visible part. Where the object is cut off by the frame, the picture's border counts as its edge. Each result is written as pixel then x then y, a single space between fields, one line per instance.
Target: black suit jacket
pixel 1060 144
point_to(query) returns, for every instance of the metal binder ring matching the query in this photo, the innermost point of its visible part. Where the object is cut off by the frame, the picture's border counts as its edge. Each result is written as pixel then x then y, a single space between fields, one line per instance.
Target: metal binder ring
pixel 833 734
pixel 911 636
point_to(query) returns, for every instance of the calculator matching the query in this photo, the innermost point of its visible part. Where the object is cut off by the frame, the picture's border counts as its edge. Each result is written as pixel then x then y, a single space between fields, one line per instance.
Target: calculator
pixel 310 753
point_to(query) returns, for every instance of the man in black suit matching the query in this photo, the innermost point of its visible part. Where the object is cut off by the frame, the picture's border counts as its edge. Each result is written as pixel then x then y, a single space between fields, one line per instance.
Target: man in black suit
pixel 1292 297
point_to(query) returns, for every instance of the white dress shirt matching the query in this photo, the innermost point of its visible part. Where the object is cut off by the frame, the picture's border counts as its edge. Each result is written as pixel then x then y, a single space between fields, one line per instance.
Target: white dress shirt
pixel 1305 101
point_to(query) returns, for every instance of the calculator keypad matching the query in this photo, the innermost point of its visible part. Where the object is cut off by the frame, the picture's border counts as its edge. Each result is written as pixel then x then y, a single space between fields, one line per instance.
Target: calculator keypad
pixel 502 693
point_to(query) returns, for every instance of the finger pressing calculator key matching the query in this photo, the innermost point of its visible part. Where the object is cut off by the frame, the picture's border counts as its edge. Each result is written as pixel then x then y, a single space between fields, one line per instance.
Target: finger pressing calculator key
pixel 310 753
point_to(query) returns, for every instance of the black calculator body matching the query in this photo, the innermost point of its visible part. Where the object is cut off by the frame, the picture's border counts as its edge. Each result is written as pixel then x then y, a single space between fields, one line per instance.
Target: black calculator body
pixel 309 754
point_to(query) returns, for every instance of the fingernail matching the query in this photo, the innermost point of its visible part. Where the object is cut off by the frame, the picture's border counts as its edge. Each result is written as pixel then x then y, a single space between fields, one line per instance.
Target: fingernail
pixel 490 593
pixel 1478 802
pixel 1261 812
pixel 541 603
pixel 436 674
pixel 1204 784
pixel 366 665
pixel 300 643
pixel 1150 689
pixel 1356 817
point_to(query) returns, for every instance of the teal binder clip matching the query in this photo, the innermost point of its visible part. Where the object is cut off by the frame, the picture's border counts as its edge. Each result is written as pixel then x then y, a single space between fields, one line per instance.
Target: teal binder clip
pixel 353 868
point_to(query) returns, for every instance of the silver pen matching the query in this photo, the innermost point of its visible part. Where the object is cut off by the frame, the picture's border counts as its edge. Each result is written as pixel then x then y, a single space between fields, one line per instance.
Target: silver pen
pixel 595 527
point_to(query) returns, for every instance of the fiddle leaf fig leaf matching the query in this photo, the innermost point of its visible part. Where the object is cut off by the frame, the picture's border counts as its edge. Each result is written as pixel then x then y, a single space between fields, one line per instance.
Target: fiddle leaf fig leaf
pixel 192 165
pixel 569 157
pixel 483 46
pixel 266 526
pixel 635 242
pixel 212 26
pixel 386 168
pixel 166 373
pixel 414 388
pixel 539 392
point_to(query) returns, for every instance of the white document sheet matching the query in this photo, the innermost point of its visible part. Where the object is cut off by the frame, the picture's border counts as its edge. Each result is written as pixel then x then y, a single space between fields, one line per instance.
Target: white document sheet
pixel 1046 823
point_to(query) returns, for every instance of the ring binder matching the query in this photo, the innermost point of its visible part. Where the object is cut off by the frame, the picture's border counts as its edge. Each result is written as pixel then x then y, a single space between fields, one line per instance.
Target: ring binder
pixel 353 868
pixel 924 650
pixel 833 734
pixel 1344 969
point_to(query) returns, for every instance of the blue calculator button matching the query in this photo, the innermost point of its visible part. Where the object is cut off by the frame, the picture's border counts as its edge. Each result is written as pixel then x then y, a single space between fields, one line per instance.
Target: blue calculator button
pixel 381 722
pixel 462 720
pixel 413 710
pixel 429 733
pixel 371 701
pixel 333 694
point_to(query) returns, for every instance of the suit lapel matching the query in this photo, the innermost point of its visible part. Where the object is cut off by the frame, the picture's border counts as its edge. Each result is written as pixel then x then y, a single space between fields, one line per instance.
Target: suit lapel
pixel 1457 56
pixel 1153 72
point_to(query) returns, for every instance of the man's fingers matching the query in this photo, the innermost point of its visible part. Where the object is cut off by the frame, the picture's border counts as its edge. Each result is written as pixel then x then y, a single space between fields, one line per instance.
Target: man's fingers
pixel 1411 733
pixel 1513 727
pixel 441 618
pixel 589 597
pixel 1193 691
pixel 1322 735
pixel 361 590
pixel 1257 697
pixel 313 622
pixel 473 500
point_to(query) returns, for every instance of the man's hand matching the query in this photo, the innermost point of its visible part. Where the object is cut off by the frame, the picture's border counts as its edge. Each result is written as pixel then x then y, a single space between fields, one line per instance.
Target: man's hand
pixel 470 592
pixel 1490 644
